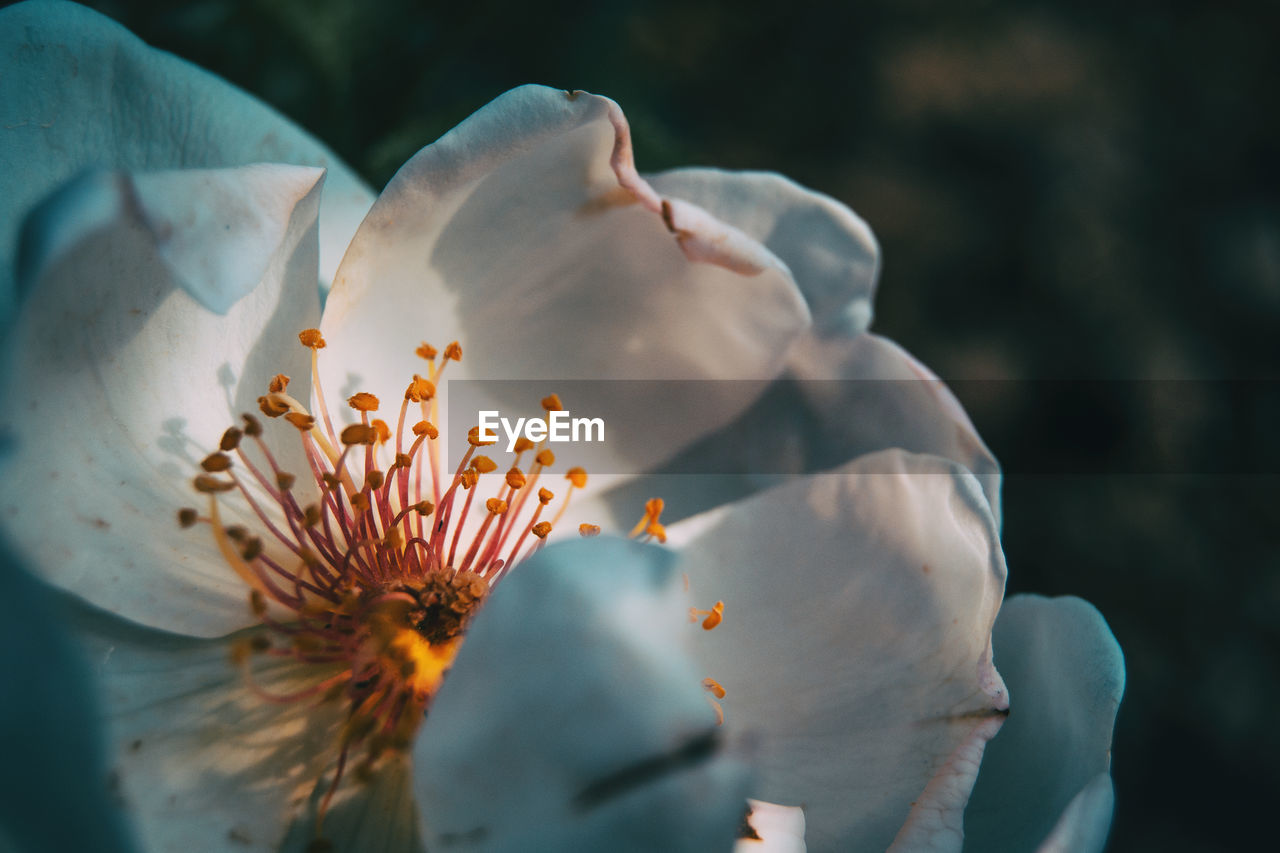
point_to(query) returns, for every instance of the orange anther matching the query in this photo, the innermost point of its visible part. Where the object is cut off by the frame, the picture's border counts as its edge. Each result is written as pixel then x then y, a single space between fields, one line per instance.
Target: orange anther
pixel 426 428
pixel 230 439
pixel 453 352
pixel 515 478
pixel 473 438
pixel 363 401
pixel 311 338
pixel 522 444
pixel 577 476
pixel 208 484
pixel 279 382
pixel 588 530
pixel 419 390
pixel 381 428
pixel 714 687
pixel 484 465
pixel 426 350
pixel 215 462
pixel 359 434
pixel 497 506
pixel 301 420
pixel 541 529
pixel 545 458
pixel 272 406
pixel 545 496
pixel 552 403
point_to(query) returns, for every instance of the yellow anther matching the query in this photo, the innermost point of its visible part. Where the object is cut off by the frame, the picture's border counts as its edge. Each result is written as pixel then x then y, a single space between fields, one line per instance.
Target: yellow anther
pixel 552 403
pixel 453 352
pixel 208 484
pixel 713 687
pixel 577 476
pixel 419 390
pixel 230 439
pixel 497 506
pixel 426 428
pixel 381 428
pixel 301 420
pixel 515 478
pixel 252 426
pixel 311 338
pixel 545 496
pixel 586 531
pixel 216 462
pixel 359 434
pixel 373 479
pixel 541 529
pixel 473 438
pixel 426 350
pixel 363 401
pixel 272 406
pixel 279 383
pixel 484 465
pixel 522 444
pixel 187 517
pixel 469 478
pixel 545 458
pixel 285 480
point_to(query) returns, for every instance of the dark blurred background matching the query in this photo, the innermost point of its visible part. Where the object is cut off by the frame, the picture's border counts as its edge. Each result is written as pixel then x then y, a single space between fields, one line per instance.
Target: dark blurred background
pixel 1062 190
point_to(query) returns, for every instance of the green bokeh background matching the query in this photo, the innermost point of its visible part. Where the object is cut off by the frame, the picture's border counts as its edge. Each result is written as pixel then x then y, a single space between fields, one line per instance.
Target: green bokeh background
pixel 1062 190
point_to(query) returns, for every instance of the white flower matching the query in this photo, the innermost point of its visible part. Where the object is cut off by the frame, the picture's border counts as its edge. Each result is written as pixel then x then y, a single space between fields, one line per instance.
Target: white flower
pixel 160 297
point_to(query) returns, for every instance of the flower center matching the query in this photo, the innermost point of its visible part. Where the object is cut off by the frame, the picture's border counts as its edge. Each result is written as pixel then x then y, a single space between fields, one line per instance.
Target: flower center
pixel 363 567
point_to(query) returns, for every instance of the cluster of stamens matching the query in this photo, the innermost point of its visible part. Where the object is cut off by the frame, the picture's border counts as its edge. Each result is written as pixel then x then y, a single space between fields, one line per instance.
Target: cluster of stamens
pixel 367 570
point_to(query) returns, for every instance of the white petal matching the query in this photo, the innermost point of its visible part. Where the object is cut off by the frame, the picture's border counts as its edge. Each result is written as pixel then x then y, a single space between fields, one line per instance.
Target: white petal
pixel 526 233
pixel 828 248
pixel 1085 821
pixel 81 92
pixel 841 398
pixel 1066 676
pixel 856 634
pixel 778 829
pixel 122 382
pixel 54 775
pixel 202 762
pixel 573 718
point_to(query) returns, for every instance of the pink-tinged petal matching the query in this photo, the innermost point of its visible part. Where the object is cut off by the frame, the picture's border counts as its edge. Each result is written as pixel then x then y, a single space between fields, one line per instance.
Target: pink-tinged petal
pixel 841 398
pixel 201 761
pixel 574 719
pixel 81 92
pixel 856 636
pixel 936 822
pixel 776 829
pixel 526 234
pixel 830 251
pixel 1040 779
pixel 122 381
